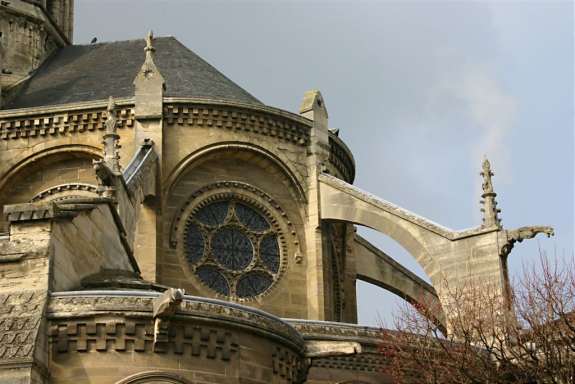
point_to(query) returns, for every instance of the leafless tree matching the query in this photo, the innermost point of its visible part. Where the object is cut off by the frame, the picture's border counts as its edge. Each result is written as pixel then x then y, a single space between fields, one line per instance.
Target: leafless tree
pixel 489 341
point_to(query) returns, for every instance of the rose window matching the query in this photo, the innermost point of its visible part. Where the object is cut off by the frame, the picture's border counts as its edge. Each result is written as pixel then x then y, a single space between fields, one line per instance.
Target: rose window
pixel 232 248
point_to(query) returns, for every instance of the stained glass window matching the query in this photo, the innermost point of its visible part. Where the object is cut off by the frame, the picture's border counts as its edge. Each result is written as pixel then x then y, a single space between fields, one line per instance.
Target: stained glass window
pixel 194 243
pixel 251 218
pixel 213 214
pixel 210 276
pixel 232 248
pixel 270 252
pixel 253 283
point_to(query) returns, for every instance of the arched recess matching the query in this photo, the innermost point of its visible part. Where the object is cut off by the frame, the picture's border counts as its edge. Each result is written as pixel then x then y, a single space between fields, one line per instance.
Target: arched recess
pixel 44 170
pixel 240 172
pixel 204 154
pixel 154 377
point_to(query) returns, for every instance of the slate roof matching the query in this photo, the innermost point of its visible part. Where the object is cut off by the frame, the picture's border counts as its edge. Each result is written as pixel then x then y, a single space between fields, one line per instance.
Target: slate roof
pixel 92 72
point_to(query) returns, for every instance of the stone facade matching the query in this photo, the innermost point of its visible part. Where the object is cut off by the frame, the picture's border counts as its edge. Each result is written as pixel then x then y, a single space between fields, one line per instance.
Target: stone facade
pixel 184 181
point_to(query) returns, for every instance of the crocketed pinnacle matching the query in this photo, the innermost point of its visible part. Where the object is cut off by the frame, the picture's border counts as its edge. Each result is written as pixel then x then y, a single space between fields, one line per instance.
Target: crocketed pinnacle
pixel 489 209
pixel 149 66
pixel 111 138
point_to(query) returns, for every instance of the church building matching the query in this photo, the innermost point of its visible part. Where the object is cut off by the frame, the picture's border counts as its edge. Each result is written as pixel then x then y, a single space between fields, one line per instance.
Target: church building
pixel 160 224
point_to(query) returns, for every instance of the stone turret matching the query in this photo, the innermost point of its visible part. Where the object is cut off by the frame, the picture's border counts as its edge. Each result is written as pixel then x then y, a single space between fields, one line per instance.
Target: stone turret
pixel 30 30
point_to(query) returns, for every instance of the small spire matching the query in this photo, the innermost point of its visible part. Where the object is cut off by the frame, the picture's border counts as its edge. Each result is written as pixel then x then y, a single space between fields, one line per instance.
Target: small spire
pixel 149 66
pixel 490 211
pixel 111 138
pixel 150 42
pixel 149 85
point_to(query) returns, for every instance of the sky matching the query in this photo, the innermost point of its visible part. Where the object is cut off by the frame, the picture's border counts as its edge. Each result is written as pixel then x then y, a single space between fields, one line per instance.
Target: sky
pixel 421 91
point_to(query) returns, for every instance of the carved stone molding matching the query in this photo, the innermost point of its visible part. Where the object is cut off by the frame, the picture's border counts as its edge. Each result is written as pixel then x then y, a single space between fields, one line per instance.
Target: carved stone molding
pixel 341 158
pixel 152 377
pixel 90 304
pixel 335 331
pixel 237 119
pixel 137 335
pixel 369 362
pixel 20 318
pixel 66 191
pixel 62 123
pixel 288 365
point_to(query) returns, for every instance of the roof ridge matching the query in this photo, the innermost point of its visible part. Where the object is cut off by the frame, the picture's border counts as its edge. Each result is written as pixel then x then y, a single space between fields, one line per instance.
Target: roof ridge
pixel 124 41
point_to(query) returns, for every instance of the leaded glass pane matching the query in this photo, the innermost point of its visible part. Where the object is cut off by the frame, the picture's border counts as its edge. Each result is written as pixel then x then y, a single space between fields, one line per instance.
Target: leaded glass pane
pixel 251 219
pixel 213 279
pixel 194 241
pixel 270 252
pixel 213 214
pixel 253 283
pixel 232 248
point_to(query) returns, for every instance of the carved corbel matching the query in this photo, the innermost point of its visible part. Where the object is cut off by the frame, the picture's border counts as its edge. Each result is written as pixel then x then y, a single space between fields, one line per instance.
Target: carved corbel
pixel 523 233
pixel 165 306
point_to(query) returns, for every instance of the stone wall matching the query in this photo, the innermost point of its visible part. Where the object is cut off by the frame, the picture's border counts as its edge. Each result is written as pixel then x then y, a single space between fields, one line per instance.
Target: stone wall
pixel 206 343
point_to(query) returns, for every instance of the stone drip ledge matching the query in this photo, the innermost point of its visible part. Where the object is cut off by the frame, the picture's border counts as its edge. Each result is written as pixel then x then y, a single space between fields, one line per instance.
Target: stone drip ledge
pixel 74 305
pixel 331 330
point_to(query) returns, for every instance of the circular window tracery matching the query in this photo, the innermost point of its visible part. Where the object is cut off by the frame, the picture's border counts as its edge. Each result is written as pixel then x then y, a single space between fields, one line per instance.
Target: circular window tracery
pixel 232 248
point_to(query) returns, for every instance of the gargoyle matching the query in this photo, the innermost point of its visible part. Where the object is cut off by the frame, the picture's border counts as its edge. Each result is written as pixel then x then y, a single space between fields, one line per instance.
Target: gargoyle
pixel 520 234
pixel 523 233
pixel 164 306
pixel 168 303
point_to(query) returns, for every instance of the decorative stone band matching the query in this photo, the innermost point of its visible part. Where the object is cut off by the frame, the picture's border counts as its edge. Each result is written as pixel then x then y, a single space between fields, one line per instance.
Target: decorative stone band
pixel 367 359
pixel 133 334
pixel 330 330
pixel 70 190
pixel 341 158
pixel 237 119
pixel 61 123
pixel 34 211
pixel 81 306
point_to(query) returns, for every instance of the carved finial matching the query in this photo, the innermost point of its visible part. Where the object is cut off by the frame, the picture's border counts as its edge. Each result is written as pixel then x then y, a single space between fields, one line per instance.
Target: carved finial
pixel 149 66
pixel 150 42
pixel 490 211
pixel 111 138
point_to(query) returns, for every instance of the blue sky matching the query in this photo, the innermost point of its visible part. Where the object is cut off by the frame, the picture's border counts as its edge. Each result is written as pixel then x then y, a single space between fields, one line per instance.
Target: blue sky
pixel 420 91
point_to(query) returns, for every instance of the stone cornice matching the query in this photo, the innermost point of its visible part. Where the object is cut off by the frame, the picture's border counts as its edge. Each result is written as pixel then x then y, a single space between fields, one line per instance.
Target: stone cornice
pixel 61 108
pixel 331 330
pixel 78 304
pixel 242 118
pixel 256 107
